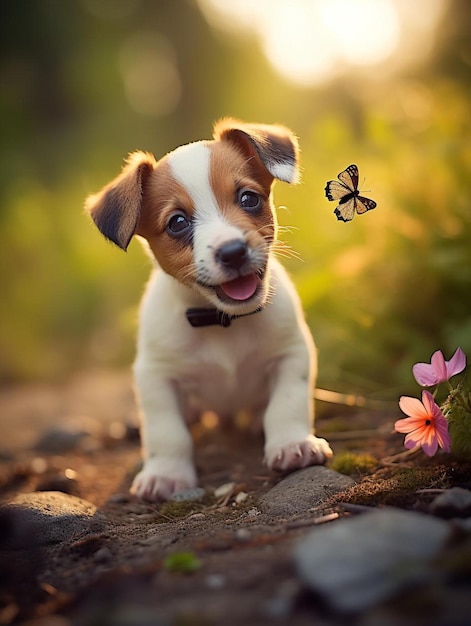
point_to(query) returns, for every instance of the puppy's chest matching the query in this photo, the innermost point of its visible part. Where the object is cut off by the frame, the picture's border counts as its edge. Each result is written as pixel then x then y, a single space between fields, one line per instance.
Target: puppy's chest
pixel 228 375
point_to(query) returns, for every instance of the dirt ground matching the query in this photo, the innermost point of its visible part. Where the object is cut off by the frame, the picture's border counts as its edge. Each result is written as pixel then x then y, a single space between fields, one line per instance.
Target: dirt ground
pixel 237 564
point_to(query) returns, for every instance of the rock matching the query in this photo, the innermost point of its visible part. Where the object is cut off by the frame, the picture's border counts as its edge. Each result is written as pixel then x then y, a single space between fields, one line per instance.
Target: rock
pixel 357 562
pixel 303 490
pixel 243 534
pixel 59 482
pixel 103 555
pixel 455 502
pixel 45 518
pixel 241 497
pixel 59 440
pixel 224 490
pixel 188 495
pixel 120 498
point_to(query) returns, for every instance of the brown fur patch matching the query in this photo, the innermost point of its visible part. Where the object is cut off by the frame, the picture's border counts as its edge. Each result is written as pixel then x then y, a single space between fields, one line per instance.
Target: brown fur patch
pixel 271 143
pixel 230 171
pixel 163 197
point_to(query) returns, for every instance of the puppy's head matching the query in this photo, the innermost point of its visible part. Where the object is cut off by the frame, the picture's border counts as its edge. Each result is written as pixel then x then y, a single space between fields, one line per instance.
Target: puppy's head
pixel 205 210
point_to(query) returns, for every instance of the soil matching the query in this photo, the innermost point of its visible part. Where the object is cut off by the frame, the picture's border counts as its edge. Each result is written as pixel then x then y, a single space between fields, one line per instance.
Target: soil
pixel 217 560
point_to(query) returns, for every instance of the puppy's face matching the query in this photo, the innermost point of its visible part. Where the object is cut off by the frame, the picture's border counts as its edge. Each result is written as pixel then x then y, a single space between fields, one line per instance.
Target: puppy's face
pixel 208 219
pixel 205 210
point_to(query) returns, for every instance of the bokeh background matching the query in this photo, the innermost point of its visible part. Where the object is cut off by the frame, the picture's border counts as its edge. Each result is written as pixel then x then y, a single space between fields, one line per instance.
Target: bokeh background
pixel 381 83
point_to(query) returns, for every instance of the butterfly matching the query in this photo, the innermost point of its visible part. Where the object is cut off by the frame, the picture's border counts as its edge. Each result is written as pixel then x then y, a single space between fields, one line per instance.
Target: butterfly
pixel 348 195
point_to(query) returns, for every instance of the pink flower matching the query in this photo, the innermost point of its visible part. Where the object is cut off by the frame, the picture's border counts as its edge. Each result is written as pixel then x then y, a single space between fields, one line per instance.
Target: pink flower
pixel 426 425
pixel 439 370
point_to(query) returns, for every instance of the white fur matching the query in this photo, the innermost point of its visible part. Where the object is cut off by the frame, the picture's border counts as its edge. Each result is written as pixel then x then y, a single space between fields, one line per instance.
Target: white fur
pixel 225 370
pixel 284 171
pixel 190 166
pixel 264 363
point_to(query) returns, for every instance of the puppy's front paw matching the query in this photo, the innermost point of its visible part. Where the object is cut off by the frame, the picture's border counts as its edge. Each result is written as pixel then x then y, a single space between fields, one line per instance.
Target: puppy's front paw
pixel 161 478
pixel 297 454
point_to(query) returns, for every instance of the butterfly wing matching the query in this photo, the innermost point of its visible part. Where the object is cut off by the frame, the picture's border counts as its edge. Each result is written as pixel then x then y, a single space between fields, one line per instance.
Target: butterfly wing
pixel 363 204
pixel 349 177
pixel 346 210
pixel 336 191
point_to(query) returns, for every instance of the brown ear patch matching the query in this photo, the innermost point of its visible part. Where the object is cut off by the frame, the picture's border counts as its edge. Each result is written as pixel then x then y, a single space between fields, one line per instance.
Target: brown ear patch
pixel 117 207
pixel 275 145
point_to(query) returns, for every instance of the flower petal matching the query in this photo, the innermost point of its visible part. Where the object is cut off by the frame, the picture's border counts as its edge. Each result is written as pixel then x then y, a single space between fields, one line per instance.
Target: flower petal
pixel 413 407
pixel 443 438
pixel 442 434
pixel 456 364
pixel 430 447
pixel 439 366
pixel 409 424
pixel 431 407
pixel 410 442
pixel 424 374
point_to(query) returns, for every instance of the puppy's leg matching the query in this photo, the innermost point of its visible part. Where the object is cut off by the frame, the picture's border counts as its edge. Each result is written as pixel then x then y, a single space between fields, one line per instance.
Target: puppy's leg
pixel 288 421
pixel 167 446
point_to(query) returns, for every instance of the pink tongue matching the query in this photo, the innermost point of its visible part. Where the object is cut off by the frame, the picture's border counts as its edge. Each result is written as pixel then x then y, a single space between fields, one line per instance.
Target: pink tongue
pixel 241 288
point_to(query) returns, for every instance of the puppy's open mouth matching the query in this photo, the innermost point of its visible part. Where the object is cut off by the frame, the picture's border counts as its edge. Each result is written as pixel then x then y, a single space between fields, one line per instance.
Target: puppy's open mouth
pixel 239 289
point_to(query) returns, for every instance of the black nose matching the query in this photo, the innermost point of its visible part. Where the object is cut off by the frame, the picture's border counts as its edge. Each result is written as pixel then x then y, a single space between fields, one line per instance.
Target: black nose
pixel 232 254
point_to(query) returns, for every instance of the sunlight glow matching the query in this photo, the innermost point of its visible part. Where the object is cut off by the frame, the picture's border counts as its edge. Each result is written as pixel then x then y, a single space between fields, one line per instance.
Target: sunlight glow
pixel 309 42
pixel 363 32
pixel 292 29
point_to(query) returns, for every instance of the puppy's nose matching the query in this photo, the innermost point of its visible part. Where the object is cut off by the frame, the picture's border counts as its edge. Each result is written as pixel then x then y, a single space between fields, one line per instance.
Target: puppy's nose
pixel 232 254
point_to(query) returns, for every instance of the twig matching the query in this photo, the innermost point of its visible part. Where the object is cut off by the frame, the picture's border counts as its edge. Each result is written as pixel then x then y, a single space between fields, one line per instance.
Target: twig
pixel 348 507
pixel 395 459
pixel 350 399
pixel 322 519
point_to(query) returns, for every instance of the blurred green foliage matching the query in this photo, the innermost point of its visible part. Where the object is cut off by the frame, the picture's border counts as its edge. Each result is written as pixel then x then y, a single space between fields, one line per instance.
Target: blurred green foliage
pixel 380 293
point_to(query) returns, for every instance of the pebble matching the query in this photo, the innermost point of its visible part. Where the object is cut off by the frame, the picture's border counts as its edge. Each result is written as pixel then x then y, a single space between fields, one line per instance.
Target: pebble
pixel 358 562
pixel 455 502
pixel 58 482
pixel 59 440
pixel 196 516
pixel 103 555
pixel 189 495
pixel 224 490
pixel 302 490
pixel 215 581
pixel 45 518
pixel 120 498
pixel 241 497
pixel 243 534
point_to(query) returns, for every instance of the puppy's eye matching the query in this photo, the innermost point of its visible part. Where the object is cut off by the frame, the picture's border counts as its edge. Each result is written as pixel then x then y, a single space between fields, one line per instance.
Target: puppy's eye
pixel 178 225
pixel 250 201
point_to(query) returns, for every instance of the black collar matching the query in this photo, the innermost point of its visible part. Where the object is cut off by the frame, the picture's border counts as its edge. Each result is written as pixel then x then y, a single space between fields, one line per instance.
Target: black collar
pixel 213 317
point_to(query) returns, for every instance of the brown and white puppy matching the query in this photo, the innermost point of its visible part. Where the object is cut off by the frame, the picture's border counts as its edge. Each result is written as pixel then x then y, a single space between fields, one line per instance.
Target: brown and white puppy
pixel 221 326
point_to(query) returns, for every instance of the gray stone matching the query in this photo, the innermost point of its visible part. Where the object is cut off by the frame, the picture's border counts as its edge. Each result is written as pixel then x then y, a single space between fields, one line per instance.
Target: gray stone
pixel 59 440
pixel 189 495
pixel 455 502
pixel 303 490
pixel 357 562
pixel 45 518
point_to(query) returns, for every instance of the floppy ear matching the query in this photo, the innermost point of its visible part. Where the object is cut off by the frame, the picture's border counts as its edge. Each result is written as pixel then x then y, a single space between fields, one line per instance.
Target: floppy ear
pixel 276 146
pixel 117 207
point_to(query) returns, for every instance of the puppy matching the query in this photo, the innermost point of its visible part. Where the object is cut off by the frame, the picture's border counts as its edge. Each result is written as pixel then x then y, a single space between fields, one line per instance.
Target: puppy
pixel 221 326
